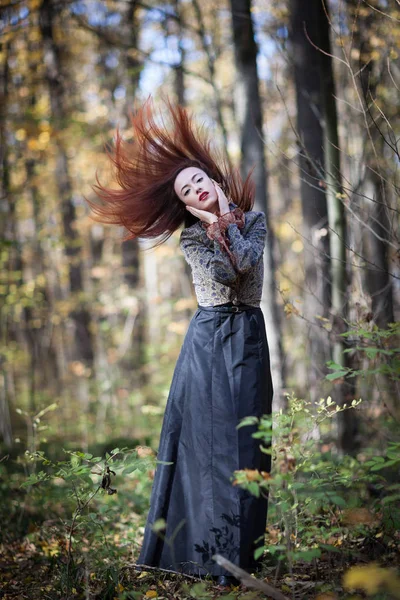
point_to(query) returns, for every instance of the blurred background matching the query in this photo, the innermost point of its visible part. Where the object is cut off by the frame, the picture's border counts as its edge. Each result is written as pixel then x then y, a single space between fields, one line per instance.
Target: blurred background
pixel 307 92
pixel 91 327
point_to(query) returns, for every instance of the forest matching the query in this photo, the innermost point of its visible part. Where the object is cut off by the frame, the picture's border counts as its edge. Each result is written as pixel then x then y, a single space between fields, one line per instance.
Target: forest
pixel 306 93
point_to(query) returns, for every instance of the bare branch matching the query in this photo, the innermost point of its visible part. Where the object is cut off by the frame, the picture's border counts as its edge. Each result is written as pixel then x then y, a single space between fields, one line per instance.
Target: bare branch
pixel 391 76
pixel 248 580
pixel 381 11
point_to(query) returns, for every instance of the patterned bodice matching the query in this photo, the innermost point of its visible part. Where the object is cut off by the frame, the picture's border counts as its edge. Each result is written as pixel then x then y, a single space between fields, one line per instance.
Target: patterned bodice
pixel 216 280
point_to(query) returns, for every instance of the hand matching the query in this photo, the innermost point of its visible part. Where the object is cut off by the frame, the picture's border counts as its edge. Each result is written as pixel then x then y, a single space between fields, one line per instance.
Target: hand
pixel 203 215
pixel 222 199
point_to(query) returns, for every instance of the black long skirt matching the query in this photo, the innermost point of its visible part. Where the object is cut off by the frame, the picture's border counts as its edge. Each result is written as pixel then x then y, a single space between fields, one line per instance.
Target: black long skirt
pixel 222 375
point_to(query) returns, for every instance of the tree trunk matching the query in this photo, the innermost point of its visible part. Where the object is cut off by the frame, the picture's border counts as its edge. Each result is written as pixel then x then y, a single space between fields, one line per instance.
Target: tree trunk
pixel 377 279
pixel 347 421
pixel 306 60
pixel 80 316
pixel 374 200
pixel 179 68
pixel 249 114
pixel 5 208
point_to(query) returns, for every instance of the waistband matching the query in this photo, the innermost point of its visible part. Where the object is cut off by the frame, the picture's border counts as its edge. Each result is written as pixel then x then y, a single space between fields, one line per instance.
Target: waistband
pixel 229 307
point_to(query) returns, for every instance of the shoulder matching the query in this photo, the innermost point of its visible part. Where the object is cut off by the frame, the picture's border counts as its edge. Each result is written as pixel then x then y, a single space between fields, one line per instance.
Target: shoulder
pixel 194 232
pixel 255 219
pixel 252 216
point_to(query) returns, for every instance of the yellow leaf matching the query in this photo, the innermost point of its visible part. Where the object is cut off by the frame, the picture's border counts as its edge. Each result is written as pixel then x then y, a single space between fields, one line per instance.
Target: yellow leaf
pixel 252 474
pixel 289 309
pixel 372 579
pixel 151 594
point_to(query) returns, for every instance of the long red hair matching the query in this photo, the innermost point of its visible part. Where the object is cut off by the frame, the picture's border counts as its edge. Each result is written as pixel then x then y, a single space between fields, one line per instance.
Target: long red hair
pixel 145 169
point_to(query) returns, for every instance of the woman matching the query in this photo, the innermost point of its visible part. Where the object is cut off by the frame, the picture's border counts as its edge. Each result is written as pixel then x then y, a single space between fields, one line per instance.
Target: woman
pixel 168 177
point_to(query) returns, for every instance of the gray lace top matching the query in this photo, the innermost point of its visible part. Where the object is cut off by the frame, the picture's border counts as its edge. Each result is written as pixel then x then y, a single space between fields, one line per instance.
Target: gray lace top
pixel 215 279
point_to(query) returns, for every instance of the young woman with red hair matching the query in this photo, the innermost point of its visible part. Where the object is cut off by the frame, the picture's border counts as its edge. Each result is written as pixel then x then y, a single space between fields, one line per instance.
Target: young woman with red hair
pixel 169 178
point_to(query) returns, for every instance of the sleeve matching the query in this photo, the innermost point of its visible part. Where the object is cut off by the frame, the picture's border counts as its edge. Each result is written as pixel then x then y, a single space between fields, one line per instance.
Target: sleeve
pixel 213 261
pixel 244 249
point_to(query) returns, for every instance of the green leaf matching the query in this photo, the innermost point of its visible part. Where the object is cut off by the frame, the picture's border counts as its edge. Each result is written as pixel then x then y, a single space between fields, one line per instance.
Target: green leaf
pixel 131 469
pixel 307 555
pixel 158 525
pixel 254 489
pixel 247 421
pixel 393 461
pixel 35 478
pixel 337 375
pixel 338 500
pixel 390 499
pixel 74 460
pixel 259 552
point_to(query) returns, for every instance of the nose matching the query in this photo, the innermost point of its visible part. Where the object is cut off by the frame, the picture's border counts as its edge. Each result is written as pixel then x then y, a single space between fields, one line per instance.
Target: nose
pixel 199 191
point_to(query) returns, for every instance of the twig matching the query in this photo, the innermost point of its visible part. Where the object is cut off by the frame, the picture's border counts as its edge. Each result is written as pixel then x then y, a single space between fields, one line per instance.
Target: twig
pixel 247 579
pixel 150 568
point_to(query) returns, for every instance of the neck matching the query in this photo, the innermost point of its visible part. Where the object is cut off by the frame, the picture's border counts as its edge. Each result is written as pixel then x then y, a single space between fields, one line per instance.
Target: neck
pixel 215 209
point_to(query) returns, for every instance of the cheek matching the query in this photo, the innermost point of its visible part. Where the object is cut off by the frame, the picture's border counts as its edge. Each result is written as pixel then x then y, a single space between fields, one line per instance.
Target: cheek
pixel 179 196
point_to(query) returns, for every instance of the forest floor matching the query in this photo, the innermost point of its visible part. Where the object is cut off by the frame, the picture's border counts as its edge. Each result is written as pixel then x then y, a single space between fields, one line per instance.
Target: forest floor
pixel 38 566
pixel 65 534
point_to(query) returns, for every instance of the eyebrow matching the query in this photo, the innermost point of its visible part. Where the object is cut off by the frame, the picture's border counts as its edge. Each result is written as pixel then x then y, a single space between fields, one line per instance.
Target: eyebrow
pixel 190 180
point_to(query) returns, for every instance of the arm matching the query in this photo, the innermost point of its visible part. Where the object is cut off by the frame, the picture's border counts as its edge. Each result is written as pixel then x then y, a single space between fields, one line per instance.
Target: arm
pixel 246 249
pixel 214 261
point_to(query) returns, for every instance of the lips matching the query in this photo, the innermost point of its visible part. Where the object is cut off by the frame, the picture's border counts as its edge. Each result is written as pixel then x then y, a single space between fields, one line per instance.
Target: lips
pixel 203 196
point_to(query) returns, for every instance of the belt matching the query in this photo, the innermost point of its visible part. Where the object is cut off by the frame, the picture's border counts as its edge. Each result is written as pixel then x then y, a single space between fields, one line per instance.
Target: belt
pixel 229 307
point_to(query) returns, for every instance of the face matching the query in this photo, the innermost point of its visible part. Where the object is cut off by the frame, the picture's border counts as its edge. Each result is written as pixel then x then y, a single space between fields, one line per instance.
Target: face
pixel 195 188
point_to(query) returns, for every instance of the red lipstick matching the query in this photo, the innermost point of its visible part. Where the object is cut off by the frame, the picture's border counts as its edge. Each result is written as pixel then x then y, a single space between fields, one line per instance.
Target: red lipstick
pixel 203 195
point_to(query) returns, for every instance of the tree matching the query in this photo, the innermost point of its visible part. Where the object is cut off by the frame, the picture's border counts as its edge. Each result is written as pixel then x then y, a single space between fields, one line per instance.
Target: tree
pixel 305 57
pixel 57 87
pixel 249 114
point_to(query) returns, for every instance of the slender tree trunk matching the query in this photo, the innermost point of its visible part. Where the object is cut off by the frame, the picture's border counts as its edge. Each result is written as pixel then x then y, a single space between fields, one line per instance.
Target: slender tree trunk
pixel 347 421
pixel 179 68
pixel 377 279
pixel 374 204
pixel 83 347
pixel 210 54
pixel 81 353
pixel 5 208
pixel 42 350
pixel 249 114
pixel 306 61
pixel 375 193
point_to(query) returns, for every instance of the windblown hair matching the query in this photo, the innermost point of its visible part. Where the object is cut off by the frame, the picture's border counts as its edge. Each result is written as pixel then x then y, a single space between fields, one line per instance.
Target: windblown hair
pixel 145 169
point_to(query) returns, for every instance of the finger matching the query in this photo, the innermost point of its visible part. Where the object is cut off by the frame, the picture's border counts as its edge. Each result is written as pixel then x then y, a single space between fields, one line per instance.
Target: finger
pixel 217 188
pixel 195 211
